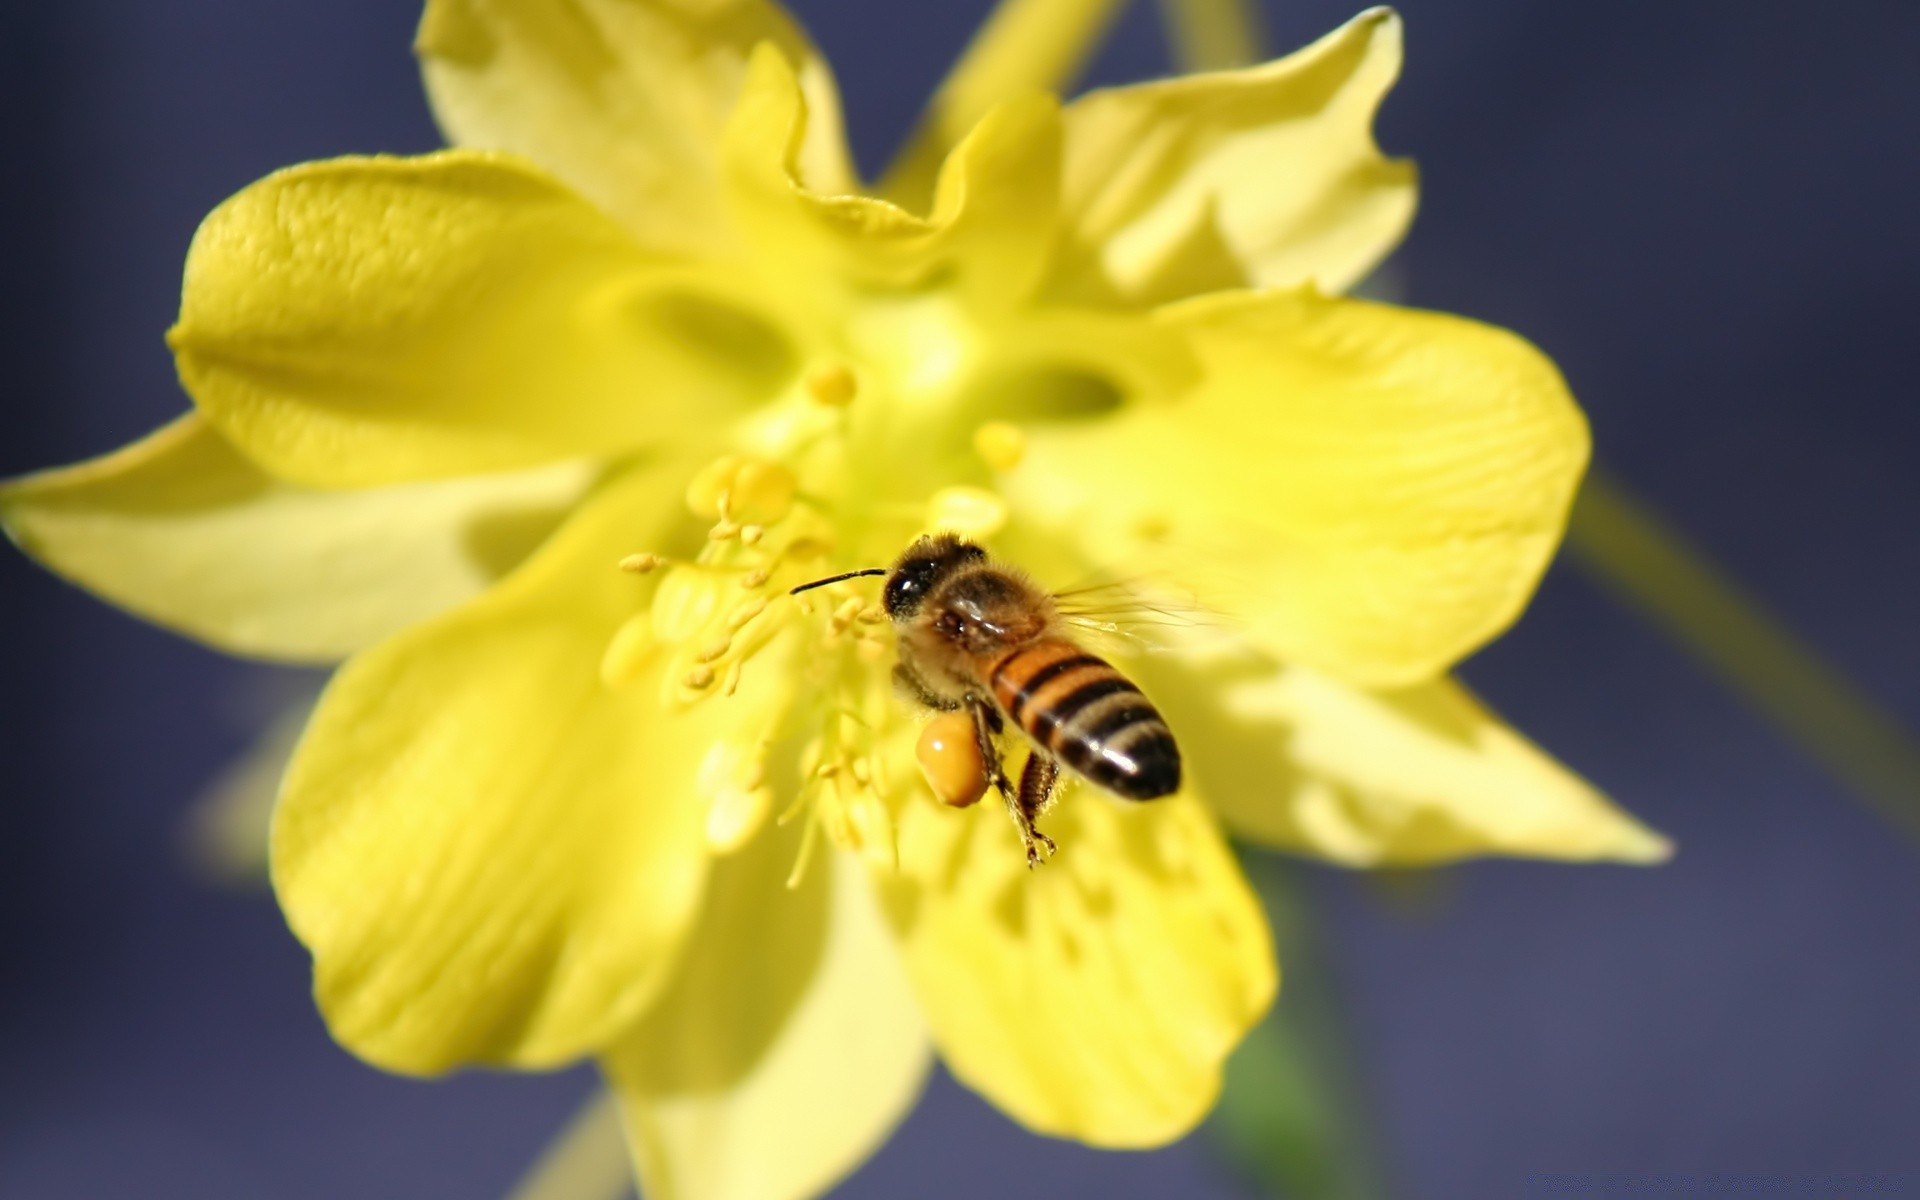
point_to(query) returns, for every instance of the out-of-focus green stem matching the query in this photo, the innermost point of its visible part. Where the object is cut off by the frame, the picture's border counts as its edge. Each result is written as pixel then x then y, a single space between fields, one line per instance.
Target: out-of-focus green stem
pixel 1291 1116
pixel 586 1161
pixel 1213 35
pixel 1631 552
pixel 1026 45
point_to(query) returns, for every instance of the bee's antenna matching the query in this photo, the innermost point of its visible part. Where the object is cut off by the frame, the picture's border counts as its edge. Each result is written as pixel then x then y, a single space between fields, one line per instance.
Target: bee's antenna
pixel 836 579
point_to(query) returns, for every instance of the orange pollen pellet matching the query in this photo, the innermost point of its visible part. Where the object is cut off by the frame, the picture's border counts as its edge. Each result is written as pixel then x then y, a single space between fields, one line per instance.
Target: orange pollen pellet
pixel 949 755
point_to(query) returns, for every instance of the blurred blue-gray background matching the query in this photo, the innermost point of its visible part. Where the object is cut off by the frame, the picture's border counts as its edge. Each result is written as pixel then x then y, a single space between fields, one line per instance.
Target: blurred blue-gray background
pixel 1704 211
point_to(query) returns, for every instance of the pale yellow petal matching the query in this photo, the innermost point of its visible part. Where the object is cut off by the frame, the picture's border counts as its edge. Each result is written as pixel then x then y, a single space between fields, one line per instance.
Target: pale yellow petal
pixel 1268 175
pixel 987 233
pixel 1295 760
pixel 788 1047
pixel 997 201
pixel 493 857
pixel 1367 489
pixel 378 320
pixel 624 100
pixel 1096 996
pixel 184 531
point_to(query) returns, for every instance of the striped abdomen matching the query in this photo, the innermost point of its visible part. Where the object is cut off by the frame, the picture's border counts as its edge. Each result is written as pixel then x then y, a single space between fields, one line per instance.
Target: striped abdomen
pixel 1089 716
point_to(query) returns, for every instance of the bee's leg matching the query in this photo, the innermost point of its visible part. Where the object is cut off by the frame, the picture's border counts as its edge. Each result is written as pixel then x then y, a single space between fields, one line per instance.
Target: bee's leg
pixel 907 681
pixel 1036 787
pixel 986 723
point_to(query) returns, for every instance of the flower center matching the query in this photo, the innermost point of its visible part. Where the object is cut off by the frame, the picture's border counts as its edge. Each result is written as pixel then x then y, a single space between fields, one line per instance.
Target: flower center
pixel 923 344
pixel 824 477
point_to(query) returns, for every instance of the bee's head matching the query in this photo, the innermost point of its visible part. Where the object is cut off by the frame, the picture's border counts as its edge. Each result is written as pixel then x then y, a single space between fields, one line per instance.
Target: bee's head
pixel 922 568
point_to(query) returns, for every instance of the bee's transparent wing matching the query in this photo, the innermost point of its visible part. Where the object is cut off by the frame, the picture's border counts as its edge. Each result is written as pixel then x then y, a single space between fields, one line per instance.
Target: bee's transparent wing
pixel 1136 616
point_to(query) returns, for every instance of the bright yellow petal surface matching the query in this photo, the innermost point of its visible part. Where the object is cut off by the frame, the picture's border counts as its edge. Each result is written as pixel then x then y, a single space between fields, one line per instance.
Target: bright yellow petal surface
pixel 622 99
pixel 184 531
pixel 1367 489
pixel 1096 996
pixel 378 320
pixel 988 232
pixel 493 857
pixel 1267 176
pixel 1295 760
pixel 789 1045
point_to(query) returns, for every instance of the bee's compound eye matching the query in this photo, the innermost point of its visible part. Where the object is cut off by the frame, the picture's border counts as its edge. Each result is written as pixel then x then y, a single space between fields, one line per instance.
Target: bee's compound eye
pixel 901 593
pixel 949 754
pixel 908 587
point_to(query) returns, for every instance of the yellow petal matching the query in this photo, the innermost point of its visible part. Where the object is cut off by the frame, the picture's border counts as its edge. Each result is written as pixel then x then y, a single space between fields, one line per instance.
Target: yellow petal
pixel 1296 760
pixel 1367 489
pixel 788 1047
pixel 1268 175
pixel 988 232
pixel 184 531
pixel 624 101
pixel 492 857
pixel 1096 996
pixel 367 321
pixel 997 199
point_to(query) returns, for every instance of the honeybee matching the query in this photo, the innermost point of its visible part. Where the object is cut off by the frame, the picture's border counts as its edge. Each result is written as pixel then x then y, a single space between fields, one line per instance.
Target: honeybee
pixel 981 643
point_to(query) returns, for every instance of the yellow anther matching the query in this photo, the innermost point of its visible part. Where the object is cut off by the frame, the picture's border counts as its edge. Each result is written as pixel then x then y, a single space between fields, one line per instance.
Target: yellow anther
pixel 833 819
pixel 968 511
pixel 849 609
pixel 700 677
pixel 750 535
pixel 686 600
pixel 1000 445
pixel 806 548
pixel 832 384
pixel 629 652
pixel 737 487
pixel 746 612
pixel 754 578
pixel 735 815
pixel 732 682
pixel 733 780
pixel 722 531
pixel 871 615
pixel 872 834
pixel 640 564
pixel 714 650
pixel 809 836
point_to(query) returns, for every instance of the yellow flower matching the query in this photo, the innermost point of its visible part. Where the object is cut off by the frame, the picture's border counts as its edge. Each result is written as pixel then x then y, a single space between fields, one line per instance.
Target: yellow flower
pixel 668 816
